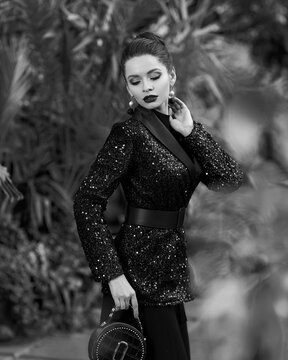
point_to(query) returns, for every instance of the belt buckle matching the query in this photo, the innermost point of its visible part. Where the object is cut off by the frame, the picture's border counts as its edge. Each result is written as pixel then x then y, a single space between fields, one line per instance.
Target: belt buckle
pixel 180 217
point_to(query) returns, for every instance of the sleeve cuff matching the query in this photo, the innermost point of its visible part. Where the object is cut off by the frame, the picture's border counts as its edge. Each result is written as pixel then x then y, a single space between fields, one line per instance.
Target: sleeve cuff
pixel 194 131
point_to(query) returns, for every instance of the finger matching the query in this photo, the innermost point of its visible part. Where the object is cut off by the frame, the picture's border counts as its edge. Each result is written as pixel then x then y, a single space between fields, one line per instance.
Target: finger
pixel 179 102
pixel 117 303
pixel 122 304
pixel 173 102
pixel 127 303
pixel 177 105
pixel 134 304
pixel 174 108
pixel 171 113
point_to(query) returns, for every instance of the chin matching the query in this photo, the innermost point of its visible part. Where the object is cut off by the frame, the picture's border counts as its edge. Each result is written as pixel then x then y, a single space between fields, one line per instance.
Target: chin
pixel 149 106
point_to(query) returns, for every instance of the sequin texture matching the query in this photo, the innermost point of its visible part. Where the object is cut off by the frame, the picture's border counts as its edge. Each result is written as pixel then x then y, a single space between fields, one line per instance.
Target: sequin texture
pixel 153 260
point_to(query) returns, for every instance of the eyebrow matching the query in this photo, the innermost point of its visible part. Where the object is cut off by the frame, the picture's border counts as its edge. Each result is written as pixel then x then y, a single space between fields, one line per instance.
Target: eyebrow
pixel 149 72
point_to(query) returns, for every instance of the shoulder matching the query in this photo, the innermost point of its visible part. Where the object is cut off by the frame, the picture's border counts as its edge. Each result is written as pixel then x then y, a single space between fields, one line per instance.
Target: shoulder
pixel 128 127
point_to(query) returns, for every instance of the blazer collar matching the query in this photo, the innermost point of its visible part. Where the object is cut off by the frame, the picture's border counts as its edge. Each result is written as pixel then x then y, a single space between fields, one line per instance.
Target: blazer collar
pixel 160 131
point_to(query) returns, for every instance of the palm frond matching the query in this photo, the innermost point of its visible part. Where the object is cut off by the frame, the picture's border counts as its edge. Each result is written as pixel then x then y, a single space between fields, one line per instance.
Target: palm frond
pixel 143 14
pixel 14 82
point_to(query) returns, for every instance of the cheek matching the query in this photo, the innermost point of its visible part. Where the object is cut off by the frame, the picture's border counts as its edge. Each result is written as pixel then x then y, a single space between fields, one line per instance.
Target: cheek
pixel 135 91
pixel 165 86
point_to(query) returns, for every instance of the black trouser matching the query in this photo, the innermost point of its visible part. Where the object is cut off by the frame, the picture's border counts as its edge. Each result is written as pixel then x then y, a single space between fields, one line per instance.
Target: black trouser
pixel 165 328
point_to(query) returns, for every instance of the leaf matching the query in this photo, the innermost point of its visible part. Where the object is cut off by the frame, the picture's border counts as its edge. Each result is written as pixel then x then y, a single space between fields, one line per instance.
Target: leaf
pixel 83 43
pixel 77 21
pixel 14 82
pixel 143 14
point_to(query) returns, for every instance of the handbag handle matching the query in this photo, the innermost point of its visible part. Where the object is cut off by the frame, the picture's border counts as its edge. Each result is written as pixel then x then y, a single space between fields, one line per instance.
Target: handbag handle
pixel 110 316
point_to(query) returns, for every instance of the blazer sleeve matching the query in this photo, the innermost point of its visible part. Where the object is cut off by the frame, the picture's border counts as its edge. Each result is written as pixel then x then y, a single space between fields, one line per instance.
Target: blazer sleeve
pixel 220 172
pixel 90 201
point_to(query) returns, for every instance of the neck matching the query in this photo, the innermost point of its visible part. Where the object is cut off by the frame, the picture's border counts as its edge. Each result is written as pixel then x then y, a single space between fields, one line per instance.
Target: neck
pixel 163 108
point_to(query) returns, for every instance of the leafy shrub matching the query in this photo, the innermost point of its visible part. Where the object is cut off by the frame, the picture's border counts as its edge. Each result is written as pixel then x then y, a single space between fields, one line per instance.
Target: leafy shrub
pixel 46 284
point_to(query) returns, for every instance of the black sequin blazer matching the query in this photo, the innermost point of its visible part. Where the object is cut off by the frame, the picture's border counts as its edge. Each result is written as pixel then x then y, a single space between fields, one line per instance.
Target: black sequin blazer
pixel 153 260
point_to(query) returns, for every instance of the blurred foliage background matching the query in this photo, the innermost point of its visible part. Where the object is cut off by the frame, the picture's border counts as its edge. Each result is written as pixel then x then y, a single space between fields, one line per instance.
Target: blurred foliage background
pixel 60 92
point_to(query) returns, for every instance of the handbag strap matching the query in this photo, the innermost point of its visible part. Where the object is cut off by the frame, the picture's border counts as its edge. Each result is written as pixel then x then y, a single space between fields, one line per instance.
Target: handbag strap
pixel 110 316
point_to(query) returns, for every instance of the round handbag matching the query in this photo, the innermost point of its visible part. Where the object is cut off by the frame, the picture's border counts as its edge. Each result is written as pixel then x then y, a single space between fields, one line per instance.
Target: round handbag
pixel 117 341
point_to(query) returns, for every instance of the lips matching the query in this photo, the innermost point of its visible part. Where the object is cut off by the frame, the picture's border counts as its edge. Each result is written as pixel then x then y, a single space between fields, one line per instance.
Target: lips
pixel 150 98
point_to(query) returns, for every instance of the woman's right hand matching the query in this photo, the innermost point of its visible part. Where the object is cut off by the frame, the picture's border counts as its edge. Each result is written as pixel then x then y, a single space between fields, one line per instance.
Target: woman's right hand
pixel 122 293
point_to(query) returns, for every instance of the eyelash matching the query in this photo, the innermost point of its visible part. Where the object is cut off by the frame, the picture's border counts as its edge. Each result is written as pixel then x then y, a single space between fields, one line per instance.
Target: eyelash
pixel 152 78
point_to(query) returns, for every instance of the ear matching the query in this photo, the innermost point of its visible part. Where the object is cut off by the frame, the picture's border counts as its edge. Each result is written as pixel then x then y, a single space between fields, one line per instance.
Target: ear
pixel 172 77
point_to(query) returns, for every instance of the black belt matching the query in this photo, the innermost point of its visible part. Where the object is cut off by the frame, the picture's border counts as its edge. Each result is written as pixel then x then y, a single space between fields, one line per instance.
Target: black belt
pixel 155 218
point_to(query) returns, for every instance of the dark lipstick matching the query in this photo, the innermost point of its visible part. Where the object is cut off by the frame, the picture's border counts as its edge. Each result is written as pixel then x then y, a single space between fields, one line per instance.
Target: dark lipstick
pixel 150 98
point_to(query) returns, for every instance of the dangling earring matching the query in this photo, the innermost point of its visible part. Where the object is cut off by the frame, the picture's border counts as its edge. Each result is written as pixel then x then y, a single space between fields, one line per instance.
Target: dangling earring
pixel 170 102
pixel 131 102
pixel 130 111
pixel 171 94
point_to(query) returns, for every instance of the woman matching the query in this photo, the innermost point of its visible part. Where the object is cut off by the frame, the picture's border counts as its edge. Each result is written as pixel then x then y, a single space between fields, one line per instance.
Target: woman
pixel 146 264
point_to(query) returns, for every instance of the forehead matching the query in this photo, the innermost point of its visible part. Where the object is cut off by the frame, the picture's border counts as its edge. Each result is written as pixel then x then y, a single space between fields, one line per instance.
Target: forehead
pixel 142 64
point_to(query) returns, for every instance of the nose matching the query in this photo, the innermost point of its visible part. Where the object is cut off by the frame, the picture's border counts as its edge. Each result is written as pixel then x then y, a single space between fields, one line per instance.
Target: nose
pixel 147 85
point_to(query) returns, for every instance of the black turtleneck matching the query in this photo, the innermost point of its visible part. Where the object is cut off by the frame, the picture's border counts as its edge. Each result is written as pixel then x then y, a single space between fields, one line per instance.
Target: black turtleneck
pixel 165 120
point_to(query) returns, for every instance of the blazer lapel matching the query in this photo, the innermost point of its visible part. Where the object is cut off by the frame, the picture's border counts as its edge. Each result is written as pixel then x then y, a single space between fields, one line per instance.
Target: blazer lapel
pixel 159 130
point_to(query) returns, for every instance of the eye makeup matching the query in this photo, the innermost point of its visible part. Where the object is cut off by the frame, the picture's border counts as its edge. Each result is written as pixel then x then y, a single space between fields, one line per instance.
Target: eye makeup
pixel 155 76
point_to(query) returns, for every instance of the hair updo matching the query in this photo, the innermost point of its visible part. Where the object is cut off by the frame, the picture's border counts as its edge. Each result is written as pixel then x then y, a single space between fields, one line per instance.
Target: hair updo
pixel 147 43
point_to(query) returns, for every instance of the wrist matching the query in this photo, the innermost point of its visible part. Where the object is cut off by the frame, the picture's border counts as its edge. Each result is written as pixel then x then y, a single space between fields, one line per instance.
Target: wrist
pixel 188 131
pixel 115 279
